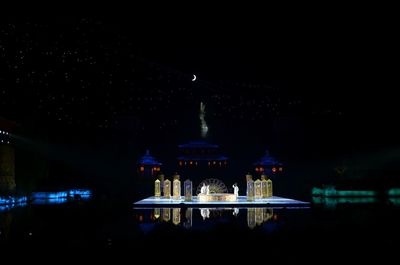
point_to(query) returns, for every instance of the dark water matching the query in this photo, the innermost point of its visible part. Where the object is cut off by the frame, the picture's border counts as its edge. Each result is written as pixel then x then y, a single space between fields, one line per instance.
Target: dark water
pixel 335 231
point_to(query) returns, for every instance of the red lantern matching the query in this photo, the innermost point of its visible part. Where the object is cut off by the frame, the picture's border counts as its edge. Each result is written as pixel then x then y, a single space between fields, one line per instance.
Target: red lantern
pixel 274 169
pixel 141 168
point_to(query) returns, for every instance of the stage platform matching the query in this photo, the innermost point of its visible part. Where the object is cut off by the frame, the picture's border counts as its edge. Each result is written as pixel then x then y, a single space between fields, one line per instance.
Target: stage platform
pixel 241 202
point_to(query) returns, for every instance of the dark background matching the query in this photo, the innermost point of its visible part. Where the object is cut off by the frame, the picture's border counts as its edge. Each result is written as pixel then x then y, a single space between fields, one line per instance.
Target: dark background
pixel 90 95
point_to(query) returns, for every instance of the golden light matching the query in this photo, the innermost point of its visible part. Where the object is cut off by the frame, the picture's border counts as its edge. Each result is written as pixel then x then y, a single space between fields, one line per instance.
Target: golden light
pixel 217 197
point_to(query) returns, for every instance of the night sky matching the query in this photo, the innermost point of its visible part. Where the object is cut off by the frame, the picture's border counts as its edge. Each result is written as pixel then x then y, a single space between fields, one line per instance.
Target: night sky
pixel 319 86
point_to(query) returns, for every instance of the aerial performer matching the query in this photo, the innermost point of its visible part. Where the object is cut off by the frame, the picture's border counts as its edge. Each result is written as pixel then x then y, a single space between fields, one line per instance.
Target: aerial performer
pixel 204 127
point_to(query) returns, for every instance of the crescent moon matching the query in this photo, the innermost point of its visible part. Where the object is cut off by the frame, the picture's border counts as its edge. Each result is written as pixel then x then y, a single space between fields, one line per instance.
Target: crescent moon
pixel 194 78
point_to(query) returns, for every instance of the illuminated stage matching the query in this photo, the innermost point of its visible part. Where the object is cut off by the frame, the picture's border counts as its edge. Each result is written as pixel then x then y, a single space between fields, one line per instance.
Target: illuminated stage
pixel 241 201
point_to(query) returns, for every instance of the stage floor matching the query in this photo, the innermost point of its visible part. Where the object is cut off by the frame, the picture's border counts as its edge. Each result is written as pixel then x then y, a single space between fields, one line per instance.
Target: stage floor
pixel 242 201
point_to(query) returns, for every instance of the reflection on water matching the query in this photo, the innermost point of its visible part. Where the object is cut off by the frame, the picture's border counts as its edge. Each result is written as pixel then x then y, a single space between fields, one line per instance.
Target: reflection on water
pixel 205 213
pixel 7 207
pixel 395 201
pixel 157 213
pixel 188 218
pixel 7 203
pixel 59 197
pixel 166 214
pixel 235 211
pixel 332 202
pixel 258 216
pixel 255 216
pixel 251 217
pixel 176 216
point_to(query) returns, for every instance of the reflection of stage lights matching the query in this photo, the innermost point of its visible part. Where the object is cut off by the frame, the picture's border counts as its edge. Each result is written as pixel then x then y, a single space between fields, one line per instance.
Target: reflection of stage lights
pixel 157 213
pixel 189 217
pixel 166 214
pixel 176 216
pixel 275 217
pixel 251 218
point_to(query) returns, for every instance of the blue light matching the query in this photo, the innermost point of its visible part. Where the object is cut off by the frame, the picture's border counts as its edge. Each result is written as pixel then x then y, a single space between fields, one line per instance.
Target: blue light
pixel 50 201
pixel 81 193
pixel 12 202
pixel 49 195
pixel 147 159
pixel 60 196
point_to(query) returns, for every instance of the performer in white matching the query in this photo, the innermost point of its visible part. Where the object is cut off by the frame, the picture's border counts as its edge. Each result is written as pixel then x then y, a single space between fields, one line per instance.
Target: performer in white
pixel 208 190
pixel 235 190
pixel 203 189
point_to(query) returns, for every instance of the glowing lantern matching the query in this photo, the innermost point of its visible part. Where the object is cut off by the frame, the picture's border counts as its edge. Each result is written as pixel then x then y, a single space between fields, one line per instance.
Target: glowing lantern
pixel 188 190
pixel 264 186
pixel 257 169
pixel 250 190
pixel 274 169
pixel 157 188
pixel 280 169
pixel 141 168
pixel 167 189
pixel 269 193
pixel 257 187
pixel 180 163
pixel 176 188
